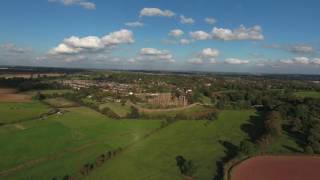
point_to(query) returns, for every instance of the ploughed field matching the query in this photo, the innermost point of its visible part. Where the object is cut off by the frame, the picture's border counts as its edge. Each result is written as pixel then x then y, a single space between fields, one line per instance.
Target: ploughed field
pixel 11 95
pixel 278 168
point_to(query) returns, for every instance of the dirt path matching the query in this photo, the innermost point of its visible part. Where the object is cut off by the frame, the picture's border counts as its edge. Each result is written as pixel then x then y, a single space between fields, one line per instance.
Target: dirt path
pixel 20 126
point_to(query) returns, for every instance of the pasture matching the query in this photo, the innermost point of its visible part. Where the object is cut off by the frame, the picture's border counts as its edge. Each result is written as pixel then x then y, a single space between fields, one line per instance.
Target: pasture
pixel 62 144
pixel 60 102
pixel 49 92
pixel 190 110
pixel 17 112
pixel 307 94
pixel 118 108
pixel 154 158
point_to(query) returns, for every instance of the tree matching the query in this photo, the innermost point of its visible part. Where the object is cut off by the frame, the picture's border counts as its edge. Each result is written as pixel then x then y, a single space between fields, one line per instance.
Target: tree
pixel 186 166
pixel 134 113
pixel 247 147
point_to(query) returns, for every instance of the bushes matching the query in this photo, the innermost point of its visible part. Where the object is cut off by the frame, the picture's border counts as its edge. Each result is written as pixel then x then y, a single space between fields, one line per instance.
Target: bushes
pixel 186 167
pixel 134 114
pixel 108 112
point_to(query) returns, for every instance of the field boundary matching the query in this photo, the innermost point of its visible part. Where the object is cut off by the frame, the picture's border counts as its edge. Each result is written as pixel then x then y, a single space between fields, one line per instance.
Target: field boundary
pixel 34 162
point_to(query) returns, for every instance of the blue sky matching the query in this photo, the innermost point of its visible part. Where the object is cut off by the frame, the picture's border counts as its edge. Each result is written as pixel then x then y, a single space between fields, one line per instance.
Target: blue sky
pixel 240 35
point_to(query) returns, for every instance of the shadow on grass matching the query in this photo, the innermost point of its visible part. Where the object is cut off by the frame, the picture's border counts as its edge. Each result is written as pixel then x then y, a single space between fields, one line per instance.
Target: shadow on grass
pixel 255 126
pixel 231 151
pixel 298 137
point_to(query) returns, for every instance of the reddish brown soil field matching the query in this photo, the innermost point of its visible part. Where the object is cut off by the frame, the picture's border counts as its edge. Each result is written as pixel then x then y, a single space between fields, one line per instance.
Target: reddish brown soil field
pixel 278 168
pixel 10 95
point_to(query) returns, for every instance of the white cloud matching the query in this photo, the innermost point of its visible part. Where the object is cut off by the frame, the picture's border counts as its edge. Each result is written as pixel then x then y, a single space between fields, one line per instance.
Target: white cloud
pixel 195 60
pixel 152 54
pixel 286 61
pixel 123 36
pixel 236 61
pixel 176 33
pixel 12 48
pixel 301 60
pixel 209 52
pixel 75 44
pixel 134 24
pixel 10 54
pixel 156 12
pixel 210 20
pixel 296 60
pixel 200 35
pixel 294 48
pixel 87 5
pixel 186 20
pixel 89 42
pixel 303 49
pixel 83 3
pixel 212 61
pixel 242 33
pixel 205 55
pixel 185 41
pixel 316 61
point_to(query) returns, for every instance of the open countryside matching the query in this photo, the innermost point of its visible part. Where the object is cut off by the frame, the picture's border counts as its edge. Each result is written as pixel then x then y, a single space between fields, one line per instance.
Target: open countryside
pixel 159 90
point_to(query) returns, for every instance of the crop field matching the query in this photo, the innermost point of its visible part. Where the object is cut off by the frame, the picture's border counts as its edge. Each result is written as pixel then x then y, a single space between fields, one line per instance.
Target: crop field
pixel 62 144
pixel 309 94
pixel 154 158
pixel 16 112
pixel 11 95
pixel 277 167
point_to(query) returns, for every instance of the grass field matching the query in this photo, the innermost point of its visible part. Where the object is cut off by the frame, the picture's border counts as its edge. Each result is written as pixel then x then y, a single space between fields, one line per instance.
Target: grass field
pixel 309 94
pixel 49 91
pixel 60 102
pixel 165 113
pixel 14 112
pixel 121 110
pixel 154 158
pixel 60 145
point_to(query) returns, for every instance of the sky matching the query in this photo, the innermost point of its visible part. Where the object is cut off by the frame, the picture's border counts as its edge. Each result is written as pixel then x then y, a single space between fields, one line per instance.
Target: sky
pixel 250 36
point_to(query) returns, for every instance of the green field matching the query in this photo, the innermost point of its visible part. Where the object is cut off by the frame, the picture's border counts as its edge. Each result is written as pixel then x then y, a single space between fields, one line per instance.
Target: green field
pixel 49 91
pixel 118 108
pixel 60 102
pixel 308 94
pixel 154 158
pixel 165 113
pixel 15 112
pixel 61 144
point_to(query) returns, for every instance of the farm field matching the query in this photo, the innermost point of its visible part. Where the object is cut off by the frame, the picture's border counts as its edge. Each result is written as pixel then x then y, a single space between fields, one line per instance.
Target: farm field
pixel 60 102
pixel 277 167
pixel 154 158
pixel 62 144
pixel 11 95
pixel 121 110
pixel 309 94
pixel 16 112
pixel 48 91
pixel 172 112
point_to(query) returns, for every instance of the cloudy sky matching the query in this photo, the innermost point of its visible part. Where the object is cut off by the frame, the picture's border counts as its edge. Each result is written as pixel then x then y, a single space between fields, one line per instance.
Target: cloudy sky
pixel 188 35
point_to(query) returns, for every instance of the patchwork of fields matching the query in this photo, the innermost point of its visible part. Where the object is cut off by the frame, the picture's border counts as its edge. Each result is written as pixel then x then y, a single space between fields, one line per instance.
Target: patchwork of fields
pixel 62 143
